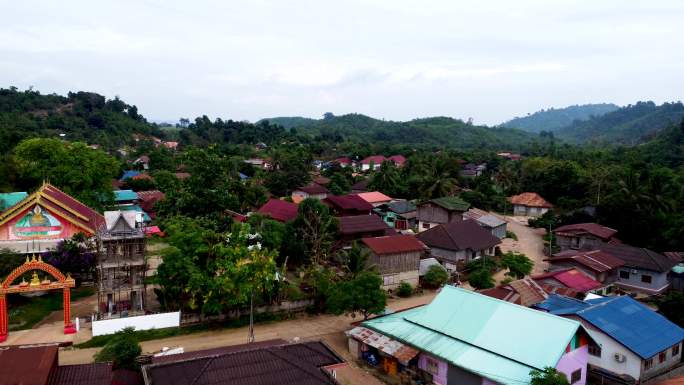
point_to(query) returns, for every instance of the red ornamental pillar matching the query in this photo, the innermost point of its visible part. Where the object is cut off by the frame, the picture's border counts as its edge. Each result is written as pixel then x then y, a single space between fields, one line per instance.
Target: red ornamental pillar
pixel 3 318
pixel 68 326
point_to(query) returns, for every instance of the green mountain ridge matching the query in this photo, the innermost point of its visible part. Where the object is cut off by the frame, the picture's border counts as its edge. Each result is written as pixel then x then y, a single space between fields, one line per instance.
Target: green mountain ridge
pixel 438 132
pixel 556 118
pixel 629 125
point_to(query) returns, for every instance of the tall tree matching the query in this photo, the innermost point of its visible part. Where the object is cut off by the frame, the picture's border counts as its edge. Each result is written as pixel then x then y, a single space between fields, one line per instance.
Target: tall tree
pixel 315 228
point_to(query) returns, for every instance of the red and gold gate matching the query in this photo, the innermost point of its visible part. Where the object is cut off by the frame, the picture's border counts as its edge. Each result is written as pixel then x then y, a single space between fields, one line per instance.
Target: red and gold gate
pixel 62 282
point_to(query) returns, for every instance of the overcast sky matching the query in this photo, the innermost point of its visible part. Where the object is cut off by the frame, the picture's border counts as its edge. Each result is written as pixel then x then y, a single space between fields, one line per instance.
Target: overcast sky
pixel 394 59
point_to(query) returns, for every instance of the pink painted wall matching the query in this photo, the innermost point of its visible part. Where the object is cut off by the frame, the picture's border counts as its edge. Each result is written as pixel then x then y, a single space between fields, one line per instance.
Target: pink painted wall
pixel 486 381
pixel 571 361
pixel 441 377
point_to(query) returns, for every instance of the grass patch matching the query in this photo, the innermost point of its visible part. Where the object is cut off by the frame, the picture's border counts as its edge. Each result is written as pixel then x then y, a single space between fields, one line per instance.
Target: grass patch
pixel 148 335
pixel 510 234
pixel 26 312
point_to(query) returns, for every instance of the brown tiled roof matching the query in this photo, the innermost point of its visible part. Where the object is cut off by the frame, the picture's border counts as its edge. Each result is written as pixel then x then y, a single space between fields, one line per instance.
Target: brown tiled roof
pixel 361 224
pixel 218 351
pixel 675 255
pixel 279 210
pixel 394 244
pixel 459 235
pixel 595 229
pixel 525 292
pixel 149 198
pixel 87 374
pixel 296 364
pixel 530 199
pixel 313 188
pixel 595 260
pixel 361 185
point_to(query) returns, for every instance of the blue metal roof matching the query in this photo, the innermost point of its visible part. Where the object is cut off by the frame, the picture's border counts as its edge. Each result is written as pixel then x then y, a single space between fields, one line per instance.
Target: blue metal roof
pixel 129 174
pixel 625 319
pixel 136 208
pixel 243 176
pixel 483 335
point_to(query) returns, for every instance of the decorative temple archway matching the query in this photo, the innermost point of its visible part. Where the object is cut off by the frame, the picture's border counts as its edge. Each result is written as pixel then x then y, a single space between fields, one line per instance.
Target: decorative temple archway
pixel 64 283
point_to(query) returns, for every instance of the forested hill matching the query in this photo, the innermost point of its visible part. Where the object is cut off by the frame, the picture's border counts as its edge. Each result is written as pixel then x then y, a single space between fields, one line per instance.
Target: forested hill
pixel 555 118
pixel 81 116
pixel 434 132
pixel 628 125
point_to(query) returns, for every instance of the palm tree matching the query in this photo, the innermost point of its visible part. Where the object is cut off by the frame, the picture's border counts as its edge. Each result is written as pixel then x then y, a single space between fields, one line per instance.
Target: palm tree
pixel 355 260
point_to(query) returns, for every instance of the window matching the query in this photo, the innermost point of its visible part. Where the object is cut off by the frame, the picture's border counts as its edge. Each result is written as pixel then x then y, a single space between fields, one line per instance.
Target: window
pixel 426 225
pixel 662 357
pixel 645 278
pixel 675 350
pixel 648 364
pixel 388 280
pixel 575 243
pixel 576 376
pixel 595 350
pixel 431 366
pixel 624 274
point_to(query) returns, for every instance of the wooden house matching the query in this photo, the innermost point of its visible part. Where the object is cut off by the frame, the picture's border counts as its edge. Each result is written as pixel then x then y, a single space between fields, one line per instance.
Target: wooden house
pixel 397 258
pixel 279 210
pixel 440 211
pixel 583 235
pixel 529 204
pixel 600 266
pixel 375 198
pixel 458 242
pixel 312 190
pixel 362 226
pixel 491 222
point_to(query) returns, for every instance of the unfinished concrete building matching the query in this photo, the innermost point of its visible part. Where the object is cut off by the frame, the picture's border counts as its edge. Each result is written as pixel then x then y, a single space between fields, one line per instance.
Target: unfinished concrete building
pixel 121 265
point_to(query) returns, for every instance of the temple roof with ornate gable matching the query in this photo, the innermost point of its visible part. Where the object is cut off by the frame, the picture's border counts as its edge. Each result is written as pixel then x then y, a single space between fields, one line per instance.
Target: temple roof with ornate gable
pixel 46 216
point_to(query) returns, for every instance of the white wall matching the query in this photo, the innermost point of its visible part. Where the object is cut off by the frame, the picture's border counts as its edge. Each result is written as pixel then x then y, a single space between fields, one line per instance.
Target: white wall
pixel 143 322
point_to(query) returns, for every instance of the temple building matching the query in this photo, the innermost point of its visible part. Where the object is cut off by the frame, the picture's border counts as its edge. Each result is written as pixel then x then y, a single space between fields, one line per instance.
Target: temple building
pixel 39 221
pixel 121 265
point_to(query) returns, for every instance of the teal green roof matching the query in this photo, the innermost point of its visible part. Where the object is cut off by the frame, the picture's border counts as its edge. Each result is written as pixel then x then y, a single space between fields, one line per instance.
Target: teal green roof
pixel 8 200
pixel 125 195
pixel 483 335
pixel 452 203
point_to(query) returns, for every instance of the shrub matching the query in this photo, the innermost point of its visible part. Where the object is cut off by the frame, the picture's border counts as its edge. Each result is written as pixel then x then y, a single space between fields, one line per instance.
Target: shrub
pixel 405 290
pixel 510 234
pixel 481 279
pixel 122 350
pixel 436 276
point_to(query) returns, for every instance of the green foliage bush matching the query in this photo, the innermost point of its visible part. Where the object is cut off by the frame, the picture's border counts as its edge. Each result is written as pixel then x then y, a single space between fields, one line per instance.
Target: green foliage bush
pixel 436 276
pixel 405 290
pixel 122 350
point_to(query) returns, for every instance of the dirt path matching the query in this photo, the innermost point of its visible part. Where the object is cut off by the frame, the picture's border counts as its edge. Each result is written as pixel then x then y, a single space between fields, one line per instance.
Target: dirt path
pixel 530 242
pixel 326 327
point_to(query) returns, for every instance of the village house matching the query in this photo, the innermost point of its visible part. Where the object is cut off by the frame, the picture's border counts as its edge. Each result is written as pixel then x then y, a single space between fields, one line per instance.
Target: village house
pixel 312 190
pixel 125 197
pixel 41 220
pixel 143 162
pixel 400 215
pixel 491 222
pixel 375 198
pixel 148 201
pixel 459 242
pixel 360 186
pixel 440 211
pixel 38 364
pixel 265 362
pixel 397 258
pixel 129 174
pixel 258 163
pixel 361 226
pixel 463 337
pixel 347 205
pixel 472 170
pixel 279 210
pixel 568 278
pixel 583 235
pixel 599 266
pixel 526 292
pixel 529 204
pixel 343 161
pixel 374 162
pixel 629 338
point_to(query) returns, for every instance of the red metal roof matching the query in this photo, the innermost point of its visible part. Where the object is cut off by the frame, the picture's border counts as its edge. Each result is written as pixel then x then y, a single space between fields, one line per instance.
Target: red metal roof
pixel 530 199
pixel 348 202
pixel 279 210
pixel 595 229
pixel 361 224
pixel 398 160
pixel 86 374
pixel 27 365
pixel 572 278
pixel 374 197
pixel 595 260
pixel 375 159
pixel 394 244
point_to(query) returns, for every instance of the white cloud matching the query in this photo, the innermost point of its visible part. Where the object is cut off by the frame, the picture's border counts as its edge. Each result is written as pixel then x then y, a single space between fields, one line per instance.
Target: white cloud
pixel 396 59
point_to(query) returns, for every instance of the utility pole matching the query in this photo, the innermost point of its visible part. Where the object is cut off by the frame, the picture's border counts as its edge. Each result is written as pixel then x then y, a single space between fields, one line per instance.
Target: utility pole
pixel 251 317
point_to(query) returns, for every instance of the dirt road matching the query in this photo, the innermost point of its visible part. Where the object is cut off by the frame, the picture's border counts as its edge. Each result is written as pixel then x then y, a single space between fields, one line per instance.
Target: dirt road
pixel 328 328
pixel 530 242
